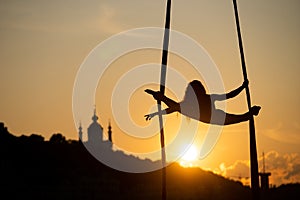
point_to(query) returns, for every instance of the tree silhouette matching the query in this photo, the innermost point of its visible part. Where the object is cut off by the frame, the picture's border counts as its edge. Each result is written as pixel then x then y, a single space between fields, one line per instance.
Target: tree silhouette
pixel 57 138
pixel 64 170
pixel 36 138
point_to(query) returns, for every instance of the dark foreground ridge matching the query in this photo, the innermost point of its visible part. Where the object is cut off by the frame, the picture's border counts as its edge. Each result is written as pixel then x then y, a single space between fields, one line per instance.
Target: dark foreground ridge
pixel 32 168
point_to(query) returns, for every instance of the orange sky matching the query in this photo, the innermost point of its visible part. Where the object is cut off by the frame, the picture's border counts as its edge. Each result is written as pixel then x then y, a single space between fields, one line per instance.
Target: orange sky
pixel 44 43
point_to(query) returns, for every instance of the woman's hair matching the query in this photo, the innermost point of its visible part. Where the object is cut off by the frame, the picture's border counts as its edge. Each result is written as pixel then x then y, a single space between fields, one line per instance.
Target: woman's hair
pixel 194 89
pixel 198 87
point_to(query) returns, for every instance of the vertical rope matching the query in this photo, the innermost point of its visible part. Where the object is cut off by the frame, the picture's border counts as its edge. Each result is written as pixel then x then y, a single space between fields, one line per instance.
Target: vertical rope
pixel 253 151
pixel 163 73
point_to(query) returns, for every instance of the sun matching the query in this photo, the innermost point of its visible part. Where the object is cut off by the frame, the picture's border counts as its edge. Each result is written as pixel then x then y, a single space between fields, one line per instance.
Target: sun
pixel 190 156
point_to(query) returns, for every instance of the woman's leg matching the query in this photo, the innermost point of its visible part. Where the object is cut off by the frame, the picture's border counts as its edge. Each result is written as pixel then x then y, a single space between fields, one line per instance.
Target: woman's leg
pixel 173 105
pixel 219 117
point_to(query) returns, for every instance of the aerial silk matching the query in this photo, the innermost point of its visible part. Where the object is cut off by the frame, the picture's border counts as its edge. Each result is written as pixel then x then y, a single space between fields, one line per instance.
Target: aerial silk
pixel 253 152
pixel 163 73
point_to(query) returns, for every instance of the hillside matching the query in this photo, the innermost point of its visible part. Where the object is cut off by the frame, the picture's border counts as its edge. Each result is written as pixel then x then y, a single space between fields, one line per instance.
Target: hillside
pixel 32 168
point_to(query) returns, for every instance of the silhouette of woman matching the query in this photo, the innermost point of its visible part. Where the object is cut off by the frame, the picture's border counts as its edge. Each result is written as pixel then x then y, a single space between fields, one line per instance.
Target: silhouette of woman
pixel 201 106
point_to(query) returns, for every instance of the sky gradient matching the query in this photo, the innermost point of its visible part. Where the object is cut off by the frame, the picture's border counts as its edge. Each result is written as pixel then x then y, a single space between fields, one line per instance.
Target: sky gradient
pixel 43 44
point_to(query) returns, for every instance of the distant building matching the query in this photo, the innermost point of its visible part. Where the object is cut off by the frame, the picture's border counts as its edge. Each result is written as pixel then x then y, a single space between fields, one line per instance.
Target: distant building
pixel 95 133
pixel 80 132
pixel 109 132
pixel 264 176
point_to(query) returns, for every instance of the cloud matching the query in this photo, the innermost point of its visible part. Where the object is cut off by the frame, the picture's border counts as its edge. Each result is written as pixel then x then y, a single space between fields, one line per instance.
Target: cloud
pixel 51 16
pixel 282 133
pixel 284 168
pixel 107 21
pixel 239 170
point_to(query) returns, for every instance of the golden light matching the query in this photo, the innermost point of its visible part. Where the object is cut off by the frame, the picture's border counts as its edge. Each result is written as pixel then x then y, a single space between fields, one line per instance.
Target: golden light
pixel 189 157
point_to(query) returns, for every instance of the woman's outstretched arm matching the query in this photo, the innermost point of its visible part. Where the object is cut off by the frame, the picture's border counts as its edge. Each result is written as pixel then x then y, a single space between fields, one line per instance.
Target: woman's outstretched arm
pixel 163 112
pixel 173 106
pixel 233 93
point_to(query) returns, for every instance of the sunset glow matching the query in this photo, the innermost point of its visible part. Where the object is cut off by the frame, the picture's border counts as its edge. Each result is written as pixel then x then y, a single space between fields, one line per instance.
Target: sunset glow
pixel 44 43
pixel 191 154
pixel 190 157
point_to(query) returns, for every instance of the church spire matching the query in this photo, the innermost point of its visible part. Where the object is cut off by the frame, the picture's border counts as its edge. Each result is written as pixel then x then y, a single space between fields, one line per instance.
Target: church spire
pixel 109 132
pixel 80 132
pixel 95 117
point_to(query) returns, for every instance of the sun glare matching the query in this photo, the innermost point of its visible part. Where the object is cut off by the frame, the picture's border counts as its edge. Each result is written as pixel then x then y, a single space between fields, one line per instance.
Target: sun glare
pixel 191 154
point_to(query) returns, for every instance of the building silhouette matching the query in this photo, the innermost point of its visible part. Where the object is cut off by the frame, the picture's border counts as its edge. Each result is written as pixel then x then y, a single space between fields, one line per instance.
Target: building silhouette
pixel 264 176
pixel 109 132
pixel 95 130
pixel 95 133
pixel 80 132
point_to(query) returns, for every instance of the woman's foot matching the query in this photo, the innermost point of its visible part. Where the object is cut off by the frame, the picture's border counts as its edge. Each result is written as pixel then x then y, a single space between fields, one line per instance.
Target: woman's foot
pixel 255 110
pixel 156 94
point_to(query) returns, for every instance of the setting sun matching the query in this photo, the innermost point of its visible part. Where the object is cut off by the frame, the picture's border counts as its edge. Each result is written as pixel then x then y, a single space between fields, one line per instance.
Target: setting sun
pixel 191 154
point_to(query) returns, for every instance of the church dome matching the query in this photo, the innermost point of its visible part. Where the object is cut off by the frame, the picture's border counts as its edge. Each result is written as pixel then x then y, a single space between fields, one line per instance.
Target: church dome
pixel 95 130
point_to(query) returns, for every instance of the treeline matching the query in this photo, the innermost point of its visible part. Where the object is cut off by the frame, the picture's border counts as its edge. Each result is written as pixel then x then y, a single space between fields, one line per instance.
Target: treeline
pixel 32 168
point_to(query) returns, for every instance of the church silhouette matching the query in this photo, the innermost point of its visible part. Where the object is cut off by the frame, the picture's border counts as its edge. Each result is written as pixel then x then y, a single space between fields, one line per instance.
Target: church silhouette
pixel 95 133
pixel 108 153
